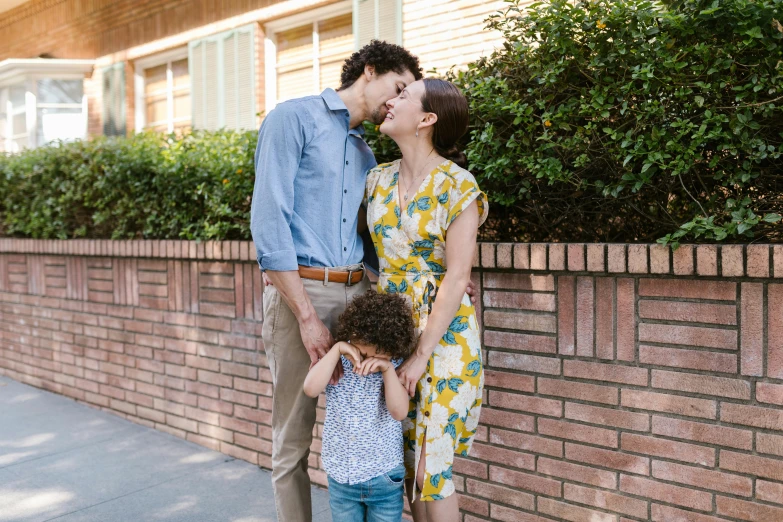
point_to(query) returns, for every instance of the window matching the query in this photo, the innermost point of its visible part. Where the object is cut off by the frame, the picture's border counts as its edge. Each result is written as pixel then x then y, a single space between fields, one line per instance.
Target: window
pixel 305 53
pixel 377 20
pixel 163 93
pixel 113 99
pixel 222 79
pixel 41 101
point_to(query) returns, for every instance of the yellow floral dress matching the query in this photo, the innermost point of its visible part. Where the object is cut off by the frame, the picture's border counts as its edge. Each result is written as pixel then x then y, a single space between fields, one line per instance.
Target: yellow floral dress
pixel 411 247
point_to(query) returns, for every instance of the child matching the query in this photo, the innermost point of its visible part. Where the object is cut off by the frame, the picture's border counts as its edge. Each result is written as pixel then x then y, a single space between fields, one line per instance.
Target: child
pixel 362 439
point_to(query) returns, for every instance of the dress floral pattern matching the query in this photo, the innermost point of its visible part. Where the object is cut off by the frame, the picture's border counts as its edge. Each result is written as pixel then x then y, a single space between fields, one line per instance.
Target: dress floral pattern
pixel 411 247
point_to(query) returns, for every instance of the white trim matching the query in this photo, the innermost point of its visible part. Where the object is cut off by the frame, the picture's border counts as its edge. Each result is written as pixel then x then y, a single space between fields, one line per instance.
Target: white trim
pixel 14 70
pixel 270 43
pixel 166 58
pixel 262 15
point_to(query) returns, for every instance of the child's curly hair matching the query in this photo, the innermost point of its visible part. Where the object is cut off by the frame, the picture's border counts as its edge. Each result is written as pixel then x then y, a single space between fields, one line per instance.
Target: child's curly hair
pixel 382 320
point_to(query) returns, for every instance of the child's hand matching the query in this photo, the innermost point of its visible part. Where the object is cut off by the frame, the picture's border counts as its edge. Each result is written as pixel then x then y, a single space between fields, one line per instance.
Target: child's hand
pixel 351 353
pixel 372 365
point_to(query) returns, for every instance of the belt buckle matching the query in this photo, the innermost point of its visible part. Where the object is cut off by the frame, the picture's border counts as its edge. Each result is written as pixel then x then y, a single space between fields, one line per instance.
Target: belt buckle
pixel 349 282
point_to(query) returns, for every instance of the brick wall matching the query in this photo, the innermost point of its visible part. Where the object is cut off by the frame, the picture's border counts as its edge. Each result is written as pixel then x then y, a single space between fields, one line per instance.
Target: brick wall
pixel 622 383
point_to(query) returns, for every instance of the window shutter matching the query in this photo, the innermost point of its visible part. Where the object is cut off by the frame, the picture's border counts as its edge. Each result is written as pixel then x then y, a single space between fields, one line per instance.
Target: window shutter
pixel 113 98
pixel 377 20
pixel 222 80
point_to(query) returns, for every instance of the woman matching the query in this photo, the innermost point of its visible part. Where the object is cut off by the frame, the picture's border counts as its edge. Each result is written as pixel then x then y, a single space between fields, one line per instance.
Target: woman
pixel 423 210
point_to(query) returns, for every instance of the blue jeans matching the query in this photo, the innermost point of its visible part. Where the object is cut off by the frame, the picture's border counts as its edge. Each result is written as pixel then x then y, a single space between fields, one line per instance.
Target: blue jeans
pixel 377 500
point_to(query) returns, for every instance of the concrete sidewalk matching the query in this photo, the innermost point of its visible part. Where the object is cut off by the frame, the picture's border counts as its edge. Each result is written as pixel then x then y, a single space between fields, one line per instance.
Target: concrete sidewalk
pixel 62 460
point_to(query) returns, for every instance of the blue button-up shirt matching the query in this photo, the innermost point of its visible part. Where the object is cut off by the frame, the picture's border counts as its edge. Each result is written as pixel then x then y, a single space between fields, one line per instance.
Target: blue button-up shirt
pixel 361 439
pixel 310 176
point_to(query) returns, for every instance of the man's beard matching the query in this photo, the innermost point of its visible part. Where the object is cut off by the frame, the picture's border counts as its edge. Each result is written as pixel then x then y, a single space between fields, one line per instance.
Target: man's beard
pixel 377 116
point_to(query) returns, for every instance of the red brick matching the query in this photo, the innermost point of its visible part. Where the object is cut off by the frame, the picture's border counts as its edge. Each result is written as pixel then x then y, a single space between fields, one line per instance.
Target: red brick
pixel 520 281
pixel 470 468
pixel 732 260
pixel 521 342
pixel 565 511
pixel 511 381
pixel 707 260
pixel 226 408
pixel 607 458
pixel 766 418
pixel 521 301
pixel 556 256
pixel 616 258
pixel 751 511
pixel 526 403
pixel 752 465
pixel 585 298
pixel 524 442
pixel 758 261
pixel 692 312
pixel 525 481
pixel 503 456
pixel 626 320
pixel 683 260
pixel 778 261
pixel 576 257
pixel 767 443
pixel 752 329
pixel 520 321
pixel 768 491
pixel 487 255
pixel 521 256
pixel 637 259
pixel 688 335
pixel 504 514
pixel 652 489
pixel 538 256
pixel 668 449
pixel 473 505
pixel 215 432
pixel 700 432
pixel 605 372
pixel 702 384
pixel 607 417
pixel 605 500
pixel 670 514
pixel 578 390
pixel 566 315
pixel 501 494
pixel 714 290
pixel 692 359
pixel 659 259
pixel 604 317
pixel 577 432
pixel 233 424
pixel 524 362
pixel 239 453
pixel 775 327
pixel 769 393
pixel 507 419
pixel 577 473
pixel 595 258
pixel 207 417
pixel 676 404
pixel 702 478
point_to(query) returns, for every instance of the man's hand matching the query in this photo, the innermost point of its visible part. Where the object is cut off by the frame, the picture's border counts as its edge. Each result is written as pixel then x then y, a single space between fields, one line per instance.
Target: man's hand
pixel 471 291
pixel 318 340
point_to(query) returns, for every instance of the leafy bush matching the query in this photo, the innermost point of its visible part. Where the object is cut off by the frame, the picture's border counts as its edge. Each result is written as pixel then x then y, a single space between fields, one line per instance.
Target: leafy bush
pixel 628 120
pixel 145 186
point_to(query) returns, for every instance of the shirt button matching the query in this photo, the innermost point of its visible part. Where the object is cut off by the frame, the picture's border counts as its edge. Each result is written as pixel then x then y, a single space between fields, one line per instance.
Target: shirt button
pixel 345 191
pixel 426 414
pixel 344 220
pixel 345 249
pixel 346 162
pixel 429 379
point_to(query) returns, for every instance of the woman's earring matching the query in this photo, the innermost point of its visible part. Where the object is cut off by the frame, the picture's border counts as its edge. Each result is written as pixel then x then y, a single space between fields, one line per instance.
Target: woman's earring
pixel 417 133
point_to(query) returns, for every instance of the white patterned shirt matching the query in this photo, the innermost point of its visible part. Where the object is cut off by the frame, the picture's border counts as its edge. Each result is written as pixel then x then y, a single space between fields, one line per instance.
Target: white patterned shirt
pixel 361 440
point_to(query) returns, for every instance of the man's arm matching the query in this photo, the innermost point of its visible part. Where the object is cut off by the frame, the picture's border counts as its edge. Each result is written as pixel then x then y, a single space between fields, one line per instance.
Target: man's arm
pixel 281 141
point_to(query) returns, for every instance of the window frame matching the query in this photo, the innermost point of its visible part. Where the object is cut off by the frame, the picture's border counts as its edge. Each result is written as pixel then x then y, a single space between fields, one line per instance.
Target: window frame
pixel 270 44
pixel 141 65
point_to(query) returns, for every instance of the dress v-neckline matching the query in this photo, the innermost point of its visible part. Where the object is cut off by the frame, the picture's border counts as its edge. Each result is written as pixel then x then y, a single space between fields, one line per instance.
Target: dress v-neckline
pixel 398 195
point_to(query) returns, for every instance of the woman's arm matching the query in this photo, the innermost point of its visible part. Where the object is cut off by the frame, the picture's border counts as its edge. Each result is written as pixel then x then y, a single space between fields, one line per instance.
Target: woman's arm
pixel 320 374
pixel 460 247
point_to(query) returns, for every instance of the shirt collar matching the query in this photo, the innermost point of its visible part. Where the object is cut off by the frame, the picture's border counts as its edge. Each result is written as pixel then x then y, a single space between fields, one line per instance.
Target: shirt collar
pixel 335 103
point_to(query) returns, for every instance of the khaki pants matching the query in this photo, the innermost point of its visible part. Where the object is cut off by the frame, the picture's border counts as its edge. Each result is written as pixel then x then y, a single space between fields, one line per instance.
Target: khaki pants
pixel 293 412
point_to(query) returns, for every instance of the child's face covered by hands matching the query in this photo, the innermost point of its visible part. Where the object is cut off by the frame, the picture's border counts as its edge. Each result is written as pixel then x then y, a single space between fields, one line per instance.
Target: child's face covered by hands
pixel 371 361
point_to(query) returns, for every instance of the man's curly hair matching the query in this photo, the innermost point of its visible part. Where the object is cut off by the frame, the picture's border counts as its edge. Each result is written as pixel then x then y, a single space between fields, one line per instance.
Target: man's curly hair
pixel 381 320
pixel 384 57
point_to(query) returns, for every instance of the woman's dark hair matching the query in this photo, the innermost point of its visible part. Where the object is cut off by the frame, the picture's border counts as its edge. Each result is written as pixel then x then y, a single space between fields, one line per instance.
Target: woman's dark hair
pixel 384 57
pixel 381 320
pixel 447 101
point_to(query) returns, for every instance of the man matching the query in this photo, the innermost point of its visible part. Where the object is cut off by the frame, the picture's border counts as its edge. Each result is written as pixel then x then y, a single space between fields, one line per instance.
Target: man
pixel 311 164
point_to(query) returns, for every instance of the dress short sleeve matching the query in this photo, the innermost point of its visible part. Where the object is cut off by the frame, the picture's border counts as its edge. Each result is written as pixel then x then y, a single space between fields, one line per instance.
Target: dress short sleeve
pixel 464 192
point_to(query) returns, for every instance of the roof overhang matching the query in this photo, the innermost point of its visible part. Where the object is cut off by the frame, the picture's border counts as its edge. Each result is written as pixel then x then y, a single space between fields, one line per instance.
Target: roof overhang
pixel 14 70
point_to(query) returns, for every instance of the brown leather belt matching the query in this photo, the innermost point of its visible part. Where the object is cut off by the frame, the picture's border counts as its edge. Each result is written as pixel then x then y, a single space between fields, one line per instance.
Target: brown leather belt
pixel 347 277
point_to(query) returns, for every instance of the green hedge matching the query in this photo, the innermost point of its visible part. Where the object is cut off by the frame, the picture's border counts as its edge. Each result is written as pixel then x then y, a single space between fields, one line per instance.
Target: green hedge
pixel 146 186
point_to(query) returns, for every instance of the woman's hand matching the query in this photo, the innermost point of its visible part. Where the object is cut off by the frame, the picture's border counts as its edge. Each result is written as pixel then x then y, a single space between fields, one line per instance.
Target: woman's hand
pixel 372 365
pixel 411 371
